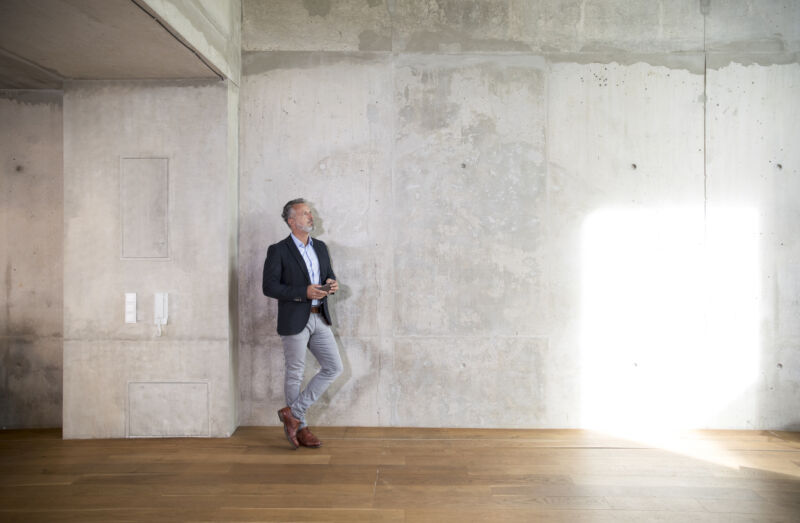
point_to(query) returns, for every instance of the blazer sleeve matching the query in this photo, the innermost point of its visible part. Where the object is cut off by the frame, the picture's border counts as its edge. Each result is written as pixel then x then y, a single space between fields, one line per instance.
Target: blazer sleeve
pixel 271 281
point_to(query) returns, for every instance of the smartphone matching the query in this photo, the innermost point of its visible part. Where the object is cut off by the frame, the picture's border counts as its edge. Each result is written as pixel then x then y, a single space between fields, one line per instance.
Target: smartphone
pixel 326 287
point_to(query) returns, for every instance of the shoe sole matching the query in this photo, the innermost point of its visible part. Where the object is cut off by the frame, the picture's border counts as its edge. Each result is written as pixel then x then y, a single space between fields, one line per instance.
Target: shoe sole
pixel 286 431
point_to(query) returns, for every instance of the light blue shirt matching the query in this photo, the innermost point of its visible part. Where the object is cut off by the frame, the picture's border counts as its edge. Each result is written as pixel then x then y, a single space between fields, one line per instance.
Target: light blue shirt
pixel 312 262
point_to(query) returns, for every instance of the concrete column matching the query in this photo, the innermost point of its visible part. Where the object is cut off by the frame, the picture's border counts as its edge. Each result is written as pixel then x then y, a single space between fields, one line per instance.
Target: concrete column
pixel 171 142
pixel 31 255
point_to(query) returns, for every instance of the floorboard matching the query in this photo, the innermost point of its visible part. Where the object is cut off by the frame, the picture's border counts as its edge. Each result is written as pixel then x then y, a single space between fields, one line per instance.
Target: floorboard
pixel 404 475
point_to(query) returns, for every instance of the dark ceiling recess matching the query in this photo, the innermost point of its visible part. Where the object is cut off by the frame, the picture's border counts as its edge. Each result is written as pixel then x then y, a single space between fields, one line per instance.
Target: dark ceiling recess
pixel 44 42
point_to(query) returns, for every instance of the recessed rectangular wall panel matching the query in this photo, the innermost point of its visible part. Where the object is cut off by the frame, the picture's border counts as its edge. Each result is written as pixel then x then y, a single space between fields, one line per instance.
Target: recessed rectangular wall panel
pixel 144 201
pixel 168 409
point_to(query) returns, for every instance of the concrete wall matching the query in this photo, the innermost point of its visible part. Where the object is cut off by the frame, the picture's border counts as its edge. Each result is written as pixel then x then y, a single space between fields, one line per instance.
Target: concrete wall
pixel 124 379
pixel 542 214
pixel 31 257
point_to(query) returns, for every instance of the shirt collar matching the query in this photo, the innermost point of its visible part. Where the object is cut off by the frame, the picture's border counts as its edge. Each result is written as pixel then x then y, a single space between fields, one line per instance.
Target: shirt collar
pixel 300 244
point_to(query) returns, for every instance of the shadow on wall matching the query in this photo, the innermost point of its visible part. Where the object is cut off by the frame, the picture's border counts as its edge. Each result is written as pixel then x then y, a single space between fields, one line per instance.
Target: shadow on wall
pixel 670 319
pixel 319 223
pixel 312 366
pixel 31 384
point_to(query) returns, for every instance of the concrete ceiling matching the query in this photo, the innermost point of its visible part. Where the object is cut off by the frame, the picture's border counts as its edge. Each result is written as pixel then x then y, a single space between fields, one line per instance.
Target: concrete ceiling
pixel 44 42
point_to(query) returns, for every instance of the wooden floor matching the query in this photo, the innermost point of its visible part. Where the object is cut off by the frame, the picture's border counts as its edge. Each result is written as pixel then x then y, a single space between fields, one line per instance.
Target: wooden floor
pixel 441 475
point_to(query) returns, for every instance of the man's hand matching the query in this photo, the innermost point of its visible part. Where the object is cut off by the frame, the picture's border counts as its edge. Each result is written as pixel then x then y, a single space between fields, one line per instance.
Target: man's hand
pixel 334 285
pixel 313 292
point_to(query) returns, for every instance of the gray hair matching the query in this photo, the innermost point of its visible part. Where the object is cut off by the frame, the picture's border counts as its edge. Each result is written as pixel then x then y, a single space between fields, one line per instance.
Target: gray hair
pixel 288 209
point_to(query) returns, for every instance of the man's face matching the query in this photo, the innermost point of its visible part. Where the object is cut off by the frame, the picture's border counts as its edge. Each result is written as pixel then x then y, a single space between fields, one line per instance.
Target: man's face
pixel 302 218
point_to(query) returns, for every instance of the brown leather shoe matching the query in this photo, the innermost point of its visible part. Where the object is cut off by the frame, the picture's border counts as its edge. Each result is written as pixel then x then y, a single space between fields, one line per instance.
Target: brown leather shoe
pixel 290 425
pixel 307 439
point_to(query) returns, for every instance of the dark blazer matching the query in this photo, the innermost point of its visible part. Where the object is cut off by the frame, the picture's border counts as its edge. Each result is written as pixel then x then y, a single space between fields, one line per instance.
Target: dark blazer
pixel 286 278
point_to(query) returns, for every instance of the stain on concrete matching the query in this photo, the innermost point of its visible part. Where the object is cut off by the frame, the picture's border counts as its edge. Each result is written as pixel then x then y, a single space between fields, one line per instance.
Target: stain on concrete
pixel 448 41
pixel 317 7
pixel 374 3
pixel 495 45
pixel 30 382
pixel 431 108
pixel 748 27
pixel 454 26
pixel 472 15
pixel 477 132
pixel 257 62
pixel 718 61
pixel 759 45
pixel 16 362
pixel 692 62
pixel 34 97
pixel 462 149
pixel 371 41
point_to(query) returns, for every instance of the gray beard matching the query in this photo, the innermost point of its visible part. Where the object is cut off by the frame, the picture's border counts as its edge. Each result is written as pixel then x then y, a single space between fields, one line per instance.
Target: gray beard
pixel 307 228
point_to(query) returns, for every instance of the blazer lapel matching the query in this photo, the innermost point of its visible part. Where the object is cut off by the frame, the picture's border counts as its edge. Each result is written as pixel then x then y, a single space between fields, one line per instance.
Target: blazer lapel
pixel 298 257
pixel 322 257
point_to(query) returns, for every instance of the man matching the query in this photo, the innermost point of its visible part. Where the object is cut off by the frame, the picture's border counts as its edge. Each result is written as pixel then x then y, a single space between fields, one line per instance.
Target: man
pixel 293 271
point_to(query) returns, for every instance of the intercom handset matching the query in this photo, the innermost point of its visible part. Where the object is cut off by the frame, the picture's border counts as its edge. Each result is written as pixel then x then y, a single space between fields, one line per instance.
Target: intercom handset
pixel 161 309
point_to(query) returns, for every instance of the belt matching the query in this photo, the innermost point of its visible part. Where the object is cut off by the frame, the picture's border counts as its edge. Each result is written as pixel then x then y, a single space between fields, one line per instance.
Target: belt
pixel 316 310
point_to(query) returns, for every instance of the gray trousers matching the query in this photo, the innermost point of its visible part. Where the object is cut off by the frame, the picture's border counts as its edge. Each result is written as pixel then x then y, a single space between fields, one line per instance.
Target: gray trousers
pixel 318 337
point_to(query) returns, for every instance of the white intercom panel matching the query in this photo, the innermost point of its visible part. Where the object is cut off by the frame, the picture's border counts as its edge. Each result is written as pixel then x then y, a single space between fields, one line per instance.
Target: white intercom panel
pixel 130 307
pixel 161 309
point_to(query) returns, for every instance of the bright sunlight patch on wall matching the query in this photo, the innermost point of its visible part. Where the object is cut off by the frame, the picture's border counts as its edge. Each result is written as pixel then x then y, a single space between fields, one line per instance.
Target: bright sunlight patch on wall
pixel 670 305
